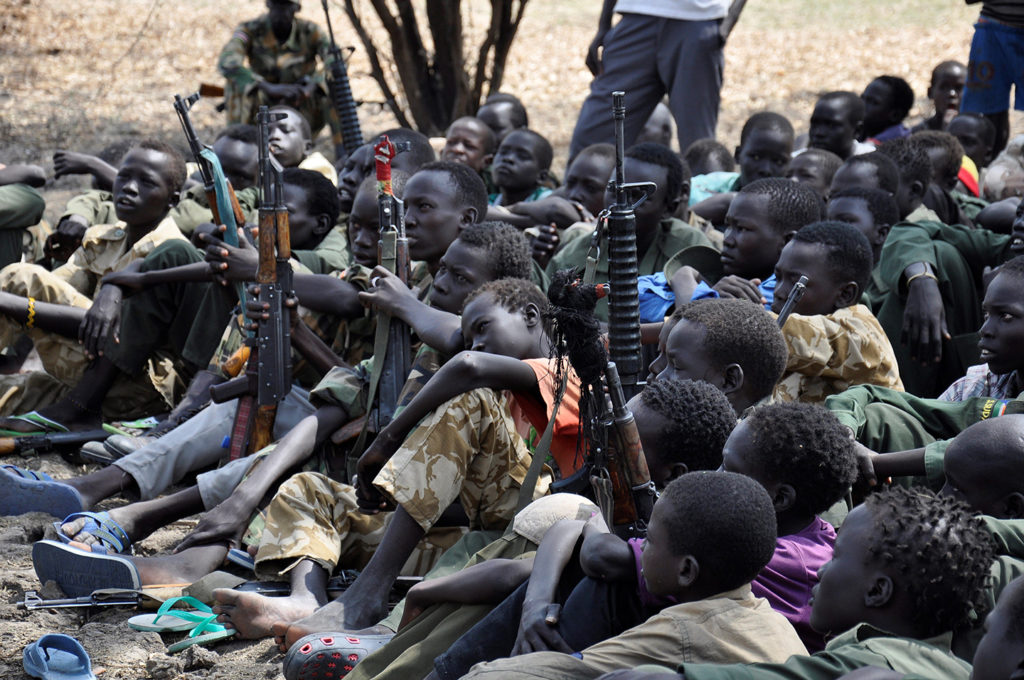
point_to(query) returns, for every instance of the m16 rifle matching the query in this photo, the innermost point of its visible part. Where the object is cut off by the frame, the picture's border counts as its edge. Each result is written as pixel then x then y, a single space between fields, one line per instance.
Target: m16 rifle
pixel 341 93
pixel 268 374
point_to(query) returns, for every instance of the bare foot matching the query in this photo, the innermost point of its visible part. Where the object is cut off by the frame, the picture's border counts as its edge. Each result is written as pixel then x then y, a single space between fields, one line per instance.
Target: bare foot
pixel 185 567
pixel 254 615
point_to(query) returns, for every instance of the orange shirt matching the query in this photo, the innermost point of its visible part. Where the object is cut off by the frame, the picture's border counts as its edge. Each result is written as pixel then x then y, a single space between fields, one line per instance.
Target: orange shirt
pixel 566 447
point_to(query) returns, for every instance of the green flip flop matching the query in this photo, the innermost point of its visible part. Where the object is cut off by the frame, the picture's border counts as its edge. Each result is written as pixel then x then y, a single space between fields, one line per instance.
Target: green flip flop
pixel 177 621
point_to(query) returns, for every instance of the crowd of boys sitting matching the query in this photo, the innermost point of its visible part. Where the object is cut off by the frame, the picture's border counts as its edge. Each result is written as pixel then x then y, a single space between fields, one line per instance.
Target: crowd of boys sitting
pixel 838 495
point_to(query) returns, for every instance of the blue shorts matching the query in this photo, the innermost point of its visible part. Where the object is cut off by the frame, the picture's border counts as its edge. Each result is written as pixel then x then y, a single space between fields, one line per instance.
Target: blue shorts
pixel 996 63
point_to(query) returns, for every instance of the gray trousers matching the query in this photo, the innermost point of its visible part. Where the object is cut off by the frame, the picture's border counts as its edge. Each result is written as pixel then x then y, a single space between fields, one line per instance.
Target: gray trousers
pixel 197 444
pixel 647 57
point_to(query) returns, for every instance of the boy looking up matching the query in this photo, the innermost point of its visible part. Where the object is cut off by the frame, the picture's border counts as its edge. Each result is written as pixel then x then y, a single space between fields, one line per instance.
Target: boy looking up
pixel 944 89
pixel 766 144
pixel 659 236
pixel 836 123
pixel 469 141
pixel 520 166
pixel 887 101
pixel 697 554
pixel 834 342
pixel 872 211
pixel 815 168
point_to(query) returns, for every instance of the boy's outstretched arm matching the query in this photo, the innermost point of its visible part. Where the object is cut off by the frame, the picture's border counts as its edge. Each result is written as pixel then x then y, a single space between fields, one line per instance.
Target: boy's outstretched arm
pixel 538 624
pixel 75 163
pixel 440 330
pixel 487 582
pixel 467 371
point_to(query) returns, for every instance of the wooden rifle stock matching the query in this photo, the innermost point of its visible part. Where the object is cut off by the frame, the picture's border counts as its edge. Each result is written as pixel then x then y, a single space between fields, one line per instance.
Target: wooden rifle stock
pixel 633 491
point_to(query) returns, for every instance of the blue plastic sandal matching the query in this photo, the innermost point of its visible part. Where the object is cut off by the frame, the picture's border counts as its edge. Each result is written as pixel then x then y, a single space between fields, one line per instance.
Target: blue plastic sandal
pixel 57 657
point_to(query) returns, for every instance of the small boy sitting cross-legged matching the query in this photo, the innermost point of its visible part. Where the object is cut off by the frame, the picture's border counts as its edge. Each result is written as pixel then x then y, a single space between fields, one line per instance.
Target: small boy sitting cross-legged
pixel 709 536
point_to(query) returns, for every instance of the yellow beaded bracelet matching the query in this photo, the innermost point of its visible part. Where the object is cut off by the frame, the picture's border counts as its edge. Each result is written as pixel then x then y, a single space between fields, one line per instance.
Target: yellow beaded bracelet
pixel 31 320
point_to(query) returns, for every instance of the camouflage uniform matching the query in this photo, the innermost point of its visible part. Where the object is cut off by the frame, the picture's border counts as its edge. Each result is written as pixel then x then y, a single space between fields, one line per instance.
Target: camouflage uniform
pixel 467 450
pixel 103 250
pixel 21 207
pixel 193 209
pixel 253 42
pixel 828 353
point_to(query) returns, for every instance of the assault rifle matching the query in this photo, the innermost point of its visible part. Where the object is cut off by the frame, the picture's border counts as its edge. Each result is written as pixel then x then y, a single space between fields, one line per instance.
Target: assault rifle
pixel 615 470
pixel 341 93
pixel 391 345
pixel 268 373
pixel 794 297
pixel 45 443
pixel 624 297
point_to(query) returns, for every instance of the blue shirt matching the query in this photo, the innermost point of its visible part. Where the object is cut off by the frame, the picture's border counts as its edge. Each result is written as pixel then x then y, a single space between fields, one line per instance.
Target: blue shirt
pixel 656 297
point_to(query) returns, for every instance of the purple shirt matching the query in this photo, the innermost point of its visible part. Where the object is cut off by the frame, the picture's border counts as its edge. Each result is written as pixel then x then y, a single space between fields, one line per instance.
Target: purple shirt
pixel 787 580
pixel 647 598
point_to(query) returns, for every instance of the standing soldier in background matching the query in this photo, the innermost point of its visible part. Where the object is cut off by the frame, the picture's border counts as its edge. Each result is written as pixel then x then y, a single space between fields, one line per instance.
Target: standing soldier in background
pixel 281 52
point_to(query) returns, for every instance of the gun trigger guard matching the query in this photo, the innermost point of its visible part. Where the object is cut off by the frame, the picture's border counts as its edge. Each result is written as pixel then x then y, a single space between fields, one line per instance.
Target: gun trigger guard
pixel 648 188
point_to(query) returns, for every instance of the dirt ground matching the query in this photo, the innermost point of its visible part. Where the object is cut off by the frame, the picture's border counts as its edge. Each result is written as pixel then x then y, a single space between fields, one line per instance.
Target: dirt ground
pixel 81 75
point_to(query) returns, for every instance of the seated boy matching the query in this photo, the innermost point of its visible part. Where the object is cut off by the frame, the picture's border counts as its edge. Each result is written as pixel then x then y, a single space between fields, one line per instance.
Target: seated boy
pixel 469 141
pixel 815 168
pixel 702 551
pixel 946 156
pixel 762 217
pixel 888 595
pixel 659 236
pixel 291 142
pixel 766 145
pixel 21 207
pixel 467 422
pixel 944 89
pixel 836 123
pixel 72 301
pixel 834 341
pixel 868 170
pixel 520 166
pixel 977 135
pixel 1000 653
pixel 887 101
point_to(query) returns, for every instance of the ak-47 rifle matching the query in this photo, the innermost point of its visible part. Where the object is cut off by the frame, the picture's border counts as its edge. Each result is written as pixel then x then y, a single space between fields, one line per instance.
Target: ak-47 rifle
pixel 615 468
pixel 391 345
pixel 268 373
pixel 624 297
pixel 45 443
pixel 341 93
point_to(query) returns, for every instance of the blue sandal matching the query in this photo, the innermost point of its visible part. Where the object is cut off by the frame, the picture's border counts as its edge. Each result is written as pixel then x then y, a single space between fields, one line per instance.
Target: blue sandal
pixel 57 657
pixel 24 491
pixel 109 534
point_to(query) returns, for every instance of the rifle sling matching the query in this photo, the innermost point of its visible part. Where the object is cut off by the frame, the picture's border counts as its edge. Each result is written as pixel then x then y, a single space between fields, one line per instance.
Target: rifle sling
pixel 389 259
pixel 540 454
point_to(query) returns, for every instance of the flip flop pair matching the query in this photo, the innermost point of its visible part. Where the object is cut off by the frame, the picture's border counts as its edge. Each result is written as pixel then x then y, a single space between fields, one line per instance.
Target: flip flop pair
pixel 329 655
pixel 200 622
pixel 57 657
pixel 23 490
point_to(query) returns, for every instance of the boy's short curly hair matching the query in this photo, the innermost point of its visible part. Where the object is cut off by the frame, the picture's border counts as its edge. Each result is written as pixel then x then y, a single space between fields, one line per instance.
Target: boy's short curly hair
pixel 242 132
pixel 886 170
pixel 321 194
pixel 511 294
pixel 791 205
pixel 701 420
pixel 954 151
pixel 881 204
pixel 518 116
pixel 174 171
pixel 507 248
pixel 804 446
pixel 676 170
pixel 902 94
pixel 940 550
pixel 824 159
pixel 420 152
pixel 851 100
pixel 766 120
pixel 987 129
pixel 910 158
pixel 849 256
pixel 741 332
pixel 1014 268
pixel 725 520
pixel 470 190
pixel 708 155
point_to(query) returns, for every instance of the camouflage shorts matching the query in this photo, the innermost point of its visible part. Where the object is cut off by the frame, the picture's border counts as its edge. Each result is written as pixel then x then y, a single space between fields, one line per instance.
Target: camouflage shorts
pixel 313 517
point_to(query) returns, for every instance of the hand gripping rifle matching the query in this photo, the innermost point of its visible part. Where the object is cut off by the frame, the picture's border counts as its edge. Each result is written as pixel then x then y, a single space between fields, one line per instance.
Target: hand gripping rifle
pixel 268 373
pixel 624 297
pixel 341 93
pixel 615 467
pixel 391 345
